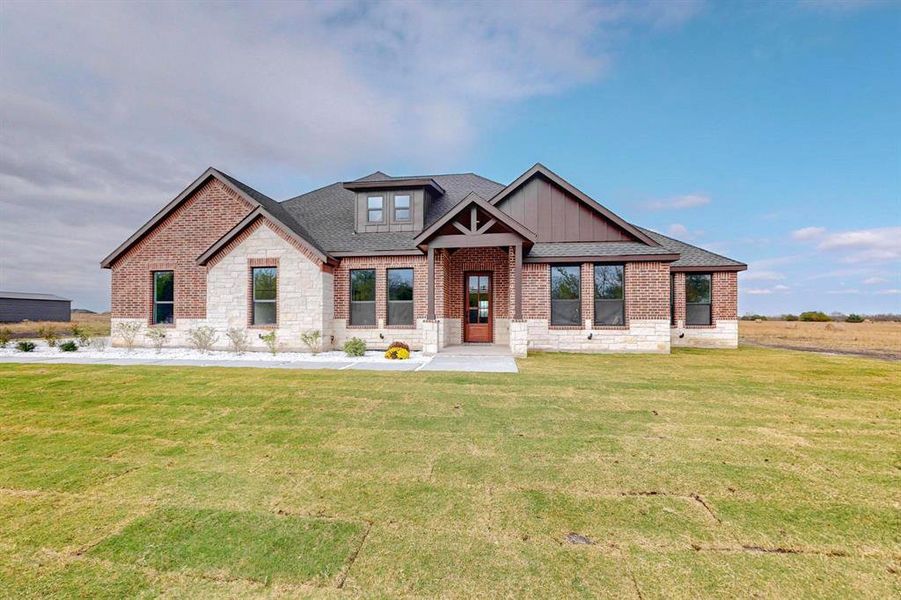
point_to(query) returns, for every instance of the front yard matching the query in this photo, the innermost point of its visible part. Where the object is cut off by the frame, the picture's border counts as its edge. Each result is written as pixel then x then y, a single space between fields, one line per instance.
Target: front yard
pixel 752 472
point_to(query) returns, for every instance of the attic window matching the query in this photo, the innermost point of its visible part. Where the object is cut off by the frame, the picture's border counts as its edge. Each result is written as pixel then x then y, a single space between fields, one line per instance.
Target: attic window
pixel 402 207
pixel 374 205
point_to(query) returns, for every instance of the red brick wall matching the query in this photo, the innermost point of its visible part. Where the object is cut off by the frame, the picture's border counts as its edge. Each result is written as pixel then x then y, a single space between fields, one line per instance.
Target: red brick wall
pixel 725 295
pixel 493 260
pixel 678 281
pixel 381 264
pixel 174 244
pixel 536 291
pixel 647 290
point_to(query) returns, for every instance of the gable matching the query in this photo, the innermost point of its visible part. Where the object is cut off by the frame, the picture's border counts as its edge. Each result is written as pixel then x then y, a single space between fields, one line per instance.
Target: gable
pixel 556 215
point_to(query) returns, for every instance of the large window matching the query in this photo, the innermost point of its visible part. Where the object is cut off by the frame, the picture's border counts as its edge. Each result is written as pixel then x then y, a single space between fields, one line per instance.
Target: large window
pixel 265 295
pixel 374 209
pixel 566 306
pixel 400 296
pixel 609 295
pixel 163 297
pixel 697 299
pixel 362 297
pixel 402 207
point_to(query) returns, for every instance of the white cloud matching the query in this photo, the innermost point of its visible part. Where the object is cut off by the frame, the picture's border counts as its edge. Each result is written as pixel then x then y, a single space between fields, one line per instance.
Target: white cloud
pixel 679 202
pixel 889 292
pixel 874 280
pixel 877 245
pixel 848 291
pixel 781 288
pixel 110 109
pixel 678 229
pixel 807 233
pixel 759 291
pixel 761 275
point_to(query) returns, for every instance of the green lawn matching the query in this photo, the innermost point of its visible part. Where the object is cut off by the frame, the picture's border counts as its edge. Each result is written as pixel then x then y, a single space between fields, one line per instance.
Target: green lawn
pixel 744 473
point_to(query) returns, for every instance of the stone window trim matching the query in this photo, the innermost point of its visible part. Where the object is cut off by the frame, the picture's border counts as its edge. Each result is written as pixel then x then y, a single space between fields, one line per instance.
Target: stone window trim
pixel 257 263
pixel 154 269
pixel 598 326
pixel 712 324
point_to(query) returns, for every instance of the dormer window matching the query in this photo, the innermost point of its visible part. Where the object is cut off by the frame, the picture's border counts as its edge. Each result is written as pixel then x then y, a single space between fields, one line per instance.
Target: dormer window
pixel 374 209
pixel 402 207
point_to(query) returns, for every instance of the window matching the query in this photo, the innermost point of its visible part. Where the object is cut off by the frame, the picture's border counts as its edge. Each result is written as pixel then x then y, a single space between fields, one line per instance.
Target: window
pixel 374 209
pixel 400 296
pixel 402 207
pixel 265 293
pixel 362 297
pixel 163 297
pixel 697 299
pixel 566 306
pixel 609 295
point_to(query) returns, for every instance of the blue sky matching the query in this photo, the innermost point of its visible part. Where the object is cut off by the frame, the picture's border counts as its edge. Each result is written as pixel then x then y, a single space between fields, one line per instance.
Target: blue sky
pixel 769 132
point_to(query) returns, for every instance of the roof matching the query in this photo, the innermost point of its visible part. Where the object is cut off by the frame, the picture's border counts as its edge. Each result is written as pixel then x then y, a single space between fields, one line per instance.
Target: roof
pixel 323 219
pixel 692 257
pixel 473 199
pixel 31 296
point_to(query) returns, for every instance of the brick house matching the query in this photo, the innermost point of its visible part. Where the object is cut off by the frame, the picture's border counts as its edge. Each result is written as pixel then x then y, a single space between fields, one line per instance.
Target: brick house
pixel 434 261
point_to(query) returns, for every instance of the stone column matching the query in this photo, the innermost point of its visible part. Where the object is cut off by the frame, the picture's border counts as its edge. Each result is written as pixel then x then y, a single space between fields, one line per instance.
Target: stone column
pixel 519 337
pixel 430 338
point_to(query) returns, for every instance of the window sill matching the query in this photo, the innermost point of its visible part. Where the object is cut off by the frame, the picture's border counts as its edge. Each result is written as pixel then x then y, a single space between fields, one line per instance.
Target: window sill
pixel 373 326
pixel 411 326
pixel 161 325
pixel 711 326
pixel 264 327
pixel 599 327
pixel 566 327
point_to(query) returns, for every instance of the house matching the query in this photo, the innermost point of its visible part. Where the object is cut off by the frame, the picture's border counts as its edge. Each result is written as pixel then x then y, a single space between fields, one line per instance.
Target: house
pixel 432 260
pixel 22 306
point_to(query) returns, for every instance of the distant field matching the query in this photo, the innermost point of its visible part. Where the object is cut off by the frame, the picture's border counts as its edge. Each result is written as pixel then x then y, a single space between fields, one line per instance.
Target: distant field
pixel 93 324
pixel 883 339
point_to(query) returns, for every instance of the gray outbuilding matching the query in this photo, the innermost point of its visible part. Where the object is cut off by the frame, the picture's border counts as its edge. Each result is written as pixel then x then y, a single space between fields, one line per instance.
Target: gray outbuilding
pixel 21 306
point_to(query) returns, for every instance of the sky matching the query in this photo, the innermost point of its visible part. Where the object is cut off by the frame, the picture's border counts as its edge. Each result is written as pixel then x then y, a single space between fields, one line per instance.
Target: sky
pixel 766 131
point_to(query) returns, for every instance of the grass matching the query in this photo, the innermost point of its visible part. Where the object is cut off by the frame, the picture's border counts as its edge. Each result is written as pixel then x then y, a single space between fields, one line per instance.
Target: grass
pixel 93 324
pixel 880 338
pixel 755 472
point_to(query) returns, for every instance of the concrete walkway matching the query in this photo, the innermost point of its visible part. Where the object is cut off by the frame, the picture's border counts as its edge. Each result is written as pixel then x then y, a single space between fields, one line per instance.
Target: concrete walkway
pixel 441 362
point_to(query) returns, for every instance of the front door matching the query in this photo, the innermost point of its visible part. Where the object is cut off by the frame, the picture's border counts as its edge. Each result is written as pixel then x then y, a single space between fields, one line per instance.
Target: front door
pixel 477 322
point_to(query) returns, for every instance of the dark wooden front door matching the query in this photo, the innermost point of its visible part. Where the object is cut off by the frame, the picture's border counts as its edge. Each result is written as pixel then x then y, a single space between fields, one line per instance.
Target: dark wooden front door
pixel 478 312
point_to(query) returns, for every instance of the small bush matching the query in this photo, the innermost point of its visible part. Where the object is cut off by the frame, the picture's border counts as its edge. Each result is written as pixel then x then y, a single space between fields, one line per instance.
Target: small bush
pixel 49 335
pixel 128 332
pixel 397 353
pixel 853 318
pixel 271 341
pixel 25 346
pixel 312 340
pixel 5 335
pixel 750 317
pixel 81 335
pixel 816 316
pixel 396 344
pixel 790 317
pixel 203 338
pixel 355 347
pixel 237 340
pixel 99 344
pixel 157 337
pixel 68 346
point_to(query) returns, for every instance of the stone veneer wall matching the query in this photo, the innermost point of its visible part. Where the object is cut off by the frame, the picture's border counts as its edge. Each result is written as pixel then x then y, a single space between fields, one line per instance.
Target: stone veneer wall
pixel 723 332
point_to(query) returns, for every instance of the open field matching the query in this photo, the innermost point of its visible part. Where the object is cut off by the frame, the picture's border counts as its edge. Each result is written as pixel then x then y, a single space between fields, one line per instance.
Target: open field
pixel 878 339
pixel 94 324
pixel 754 472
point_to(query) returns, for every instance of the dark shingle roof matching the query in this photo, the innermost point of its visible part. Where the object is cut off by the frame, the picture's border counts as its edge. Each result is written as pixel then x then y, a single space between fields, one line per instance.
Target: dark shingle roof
pixel 691 256
pixel 559 249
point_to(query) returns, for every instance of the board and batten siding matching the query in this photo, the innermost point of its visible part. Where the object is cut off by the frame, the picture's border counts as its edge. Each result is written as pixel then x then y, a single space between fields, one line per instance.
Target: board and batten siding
pixel 555 215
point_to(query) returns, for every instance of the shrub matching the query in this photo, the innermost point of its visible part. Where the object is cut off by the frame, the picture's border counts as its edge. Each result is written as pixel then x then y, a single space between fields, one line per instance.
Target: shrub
pixel 49 335
pixel 398 350
pixel 68 346
pixel 81 335
pixel 790 317
pixel 854 318
pixel 5 335
pixel 312 340
pixel 237 340
pixel 203 338
pixel 271 341
pixel 750 317
pixel 815 315
pixel 157 337
pixel 25 346
pixel 99 344
pixel 128 331
pixel 355 347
